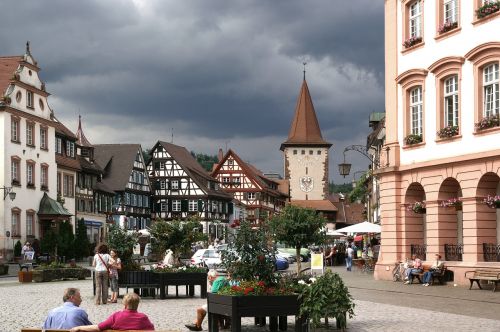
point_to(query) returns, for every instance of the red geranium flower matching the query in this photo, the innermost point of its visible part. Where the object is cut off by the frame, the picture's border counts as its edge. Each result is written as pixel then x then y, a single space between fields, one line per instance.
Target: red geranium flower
pixel 261 283
pixel 260 258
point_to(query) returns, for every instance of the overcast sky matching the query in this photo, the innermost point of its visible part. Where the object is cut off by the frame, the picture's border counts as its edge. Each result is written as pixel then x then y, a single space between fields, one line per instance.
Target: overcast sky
pixel 217 72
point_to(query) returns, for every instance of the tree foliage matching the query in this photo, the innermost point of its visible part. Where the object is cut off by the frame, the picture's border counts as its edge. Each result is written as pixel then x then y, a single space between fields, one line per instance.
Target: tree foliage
pixel 81 242
pixel 299 228
pixel 123 242
pixel 360 191
pixel 65 240
pixel 205 160
pixel 339 188
pixel 48 243
pixel 18 247
pixel 146 155
pixel 249 256
pixel 175 235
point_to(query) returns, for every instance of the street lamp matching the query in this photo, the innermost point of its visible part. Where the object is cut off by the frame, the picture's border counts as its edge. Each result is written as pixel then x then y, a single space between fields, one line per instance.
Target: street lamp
pixel 8 191
pixel 345 168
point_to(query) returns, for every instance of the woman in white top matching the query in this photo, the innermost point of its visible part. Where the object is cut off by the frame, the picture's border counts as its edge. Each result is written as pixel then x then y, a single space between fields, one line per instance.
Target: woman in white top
pixel 101 264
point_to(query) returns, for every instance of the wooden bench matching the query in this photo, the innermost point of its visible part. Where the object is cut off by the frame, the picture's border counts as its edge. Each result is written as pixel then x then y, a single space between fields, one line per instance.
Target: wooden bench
pixel 477 275
pixel 436 275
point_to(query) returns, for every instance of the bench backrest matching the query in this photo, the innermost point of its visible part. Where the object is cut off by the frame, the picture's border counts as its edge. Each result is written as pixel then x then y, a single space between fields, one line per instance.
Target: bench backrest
pixel 486 273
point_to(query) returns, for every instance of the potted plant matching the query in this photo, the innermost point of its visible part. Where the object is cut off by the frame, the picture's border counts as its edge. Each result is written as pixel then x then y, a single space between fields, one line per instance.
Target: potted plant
pixel 59 271
pixel 488 122
pixel 448 131
pixel 447 26
pixel 493 201
pixel 412 41
pixel 453 202
pixel 488 8
pixel 417 207
pixel 413 139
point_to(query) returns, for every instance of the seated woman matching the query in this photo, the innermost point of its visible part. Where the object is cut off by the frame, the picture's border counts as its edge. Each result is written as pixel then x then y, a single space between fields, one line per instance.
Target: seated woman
pixel 436 268
pixel 415 267
pixel 127 319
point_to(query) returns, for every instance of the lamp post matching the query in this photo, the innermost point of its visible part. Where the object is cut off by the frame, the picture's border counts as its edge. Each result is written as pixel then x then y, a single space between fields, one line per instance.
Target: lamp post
pixel 345 168
pixel 8 191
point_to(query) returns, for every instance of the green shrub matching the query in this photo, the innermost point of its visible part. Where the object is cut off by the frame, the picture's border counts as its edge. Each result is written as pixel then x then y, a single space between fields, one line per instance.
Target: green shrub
pixel 123 242
pixel 18 247
pixel 81 242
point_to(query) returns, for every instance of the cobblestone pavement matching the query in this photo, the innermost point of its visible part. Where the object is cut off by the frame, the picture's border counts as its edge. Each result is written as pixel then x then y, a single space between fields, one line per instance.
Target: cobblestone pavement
pixel 378 307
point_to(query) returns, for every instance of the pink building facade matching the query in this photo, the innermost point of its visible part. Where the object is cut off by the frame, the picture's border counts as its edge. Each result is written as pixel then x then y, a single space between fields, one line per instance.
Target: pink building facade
pixel 442 135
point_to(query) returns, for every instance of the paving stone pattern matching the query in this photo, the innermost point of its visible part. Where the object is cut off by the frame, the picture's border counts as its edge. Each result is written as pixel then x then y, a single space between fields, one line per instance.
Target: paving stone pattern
pixel 26 305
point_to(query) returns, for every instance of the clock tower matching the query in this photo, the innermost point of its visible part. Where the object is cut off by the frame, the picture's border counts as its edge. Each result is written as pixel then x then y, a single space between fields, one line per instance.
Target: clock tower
pixel 305 153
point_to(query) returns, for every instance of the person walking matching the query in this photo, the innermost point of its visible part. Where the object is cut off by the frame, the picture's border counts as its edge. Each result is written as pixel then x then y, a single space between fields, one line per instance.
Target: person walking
pixel 101 264
pixel 349 256
pixel 115 264
pixel 69 314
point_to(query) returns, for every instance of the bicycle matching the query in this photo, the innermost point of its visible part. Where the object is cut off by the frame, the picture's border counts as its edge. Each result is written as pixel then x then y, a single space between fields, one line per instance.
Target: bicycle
pixel 398 273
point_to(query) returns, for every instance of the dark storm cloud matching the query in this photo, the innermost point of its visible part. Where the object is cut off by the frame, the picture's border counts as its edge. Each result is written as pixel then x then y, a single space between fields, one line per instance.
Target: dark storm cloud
pixel 218 70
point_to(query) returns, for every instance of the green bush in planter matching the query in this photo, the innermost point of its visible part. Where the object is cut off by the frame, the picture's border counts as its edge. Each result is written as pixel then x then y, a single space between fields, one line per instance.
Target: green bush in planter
pixel 123 242
pixel 325 296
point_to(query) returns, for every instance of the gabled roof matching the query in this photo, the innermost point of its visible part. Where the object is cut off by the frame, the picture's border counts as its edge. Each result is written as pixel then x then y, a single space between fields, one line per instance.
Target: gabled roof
pixel 50 207
pixel 63 130
pixel 318 205
pixel 90 167
pixel 8 66
pixel 68 162
pixel 117 160
pixel 194 170
pixel 81 139
pixel 252 172
pixel 305 128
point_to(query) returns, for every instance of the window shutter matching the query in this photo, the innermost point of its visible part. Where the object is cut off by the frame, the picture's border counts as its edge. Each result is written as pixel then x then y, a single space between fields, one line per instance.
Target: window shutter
pixel 157 184
pixel 157 165
pixel 200 205
pixel 230 207
pixel 245 196
pixel 157 207
pixel 169 205
pixel 184 205
pixel 224 207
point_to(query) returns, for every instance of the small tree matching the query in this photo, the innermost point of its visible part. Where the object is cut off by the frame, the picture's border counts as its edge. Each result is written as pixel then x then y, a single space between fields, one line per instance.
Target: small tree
pixel 65 240
pixel 81 242
pixel 175 235
pixel 298 227
pixel 123 242
pixel 250 256
pixel 18 247
pixel 48 243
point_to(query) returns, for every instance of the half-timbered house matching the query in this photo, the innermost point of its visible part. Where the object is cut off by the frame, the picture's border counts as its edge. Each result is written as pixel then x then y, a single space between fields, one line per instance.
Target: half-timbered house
pixel 183 189
pixel 125 173
pixel 259 194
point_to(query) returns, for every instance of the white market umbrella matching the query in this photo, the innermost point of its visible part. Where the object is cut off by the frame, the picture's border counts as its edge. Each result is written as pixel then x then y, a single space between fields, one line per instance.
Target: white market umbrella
pixel 363 227
pixel 334 233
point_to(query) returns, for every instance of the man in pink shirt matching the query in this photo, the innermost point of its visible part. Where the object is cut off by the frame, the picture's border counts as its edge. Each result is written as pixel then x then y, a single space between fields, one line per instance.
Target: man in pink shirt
pixel 127 319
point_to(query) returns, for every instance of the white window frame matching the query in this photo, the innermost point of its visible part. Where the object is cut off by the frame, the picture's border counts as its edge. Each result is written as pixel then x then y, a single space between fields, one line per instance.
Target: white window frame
pixel 43 138
pixel 251 195
pixel 163 184
pixel 44 175
pixel 415 19
pixel 193 205
pixel 450 11
pixel 174 185
pixel 29 99
pixel 30 137
pixel 163 206
pixel 491 90
pixel 30 218
pixel 176 205
pixel 30 167
pixel 70 149
pixel 450 89
pixel 16 223
pixel 14 169
pixel 416 105
pixel 14 130
pixel 59 145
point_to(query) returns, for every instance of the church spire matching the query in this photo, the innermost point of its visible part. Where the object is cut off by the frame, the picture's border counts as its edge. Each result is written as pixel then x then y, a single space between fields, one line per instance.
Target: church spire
pixel 82 140
pixel 305 128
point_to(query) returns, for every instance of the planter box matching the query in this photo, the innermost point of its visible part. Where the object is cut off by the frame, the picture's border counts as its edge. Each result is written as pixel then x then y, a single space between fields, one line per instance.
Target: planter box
pixel 189 279
pixel 4 269
pixel 25 276
pixel 236 307
pixel 58 274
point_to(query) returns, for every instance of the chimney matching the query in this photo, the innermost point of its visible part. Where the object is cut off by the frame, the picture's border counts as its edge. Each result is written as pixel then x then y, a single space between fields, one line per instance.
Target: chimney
pixel 220 155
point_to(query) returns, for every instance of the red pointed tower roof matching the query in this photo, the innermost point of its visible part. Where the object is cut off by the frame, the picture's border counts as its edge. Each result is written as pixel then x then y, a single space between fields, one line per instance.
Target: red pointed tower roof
pixel 305 127
pixel 82 140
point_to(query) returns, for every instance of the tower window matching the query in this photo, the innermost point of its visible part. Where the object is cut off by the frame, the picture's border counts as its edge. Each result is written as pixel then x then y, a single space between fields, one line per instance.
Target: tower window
pixel 311 152
pixel 294 151
pixel 303 152
pixel 319 152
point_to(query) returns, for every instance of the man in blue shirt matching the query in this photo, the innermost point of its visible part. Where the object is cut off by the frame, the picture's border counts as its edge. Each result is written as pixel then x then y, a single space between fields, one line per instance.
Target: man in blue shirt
pixel 69 314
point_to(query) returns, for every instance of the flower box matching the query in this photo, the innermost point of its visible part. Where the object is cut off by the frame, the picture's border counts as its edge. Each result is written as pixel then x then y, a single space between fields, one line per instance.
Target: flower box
pixel 447 26
pixel 448 132
pixel 493 201
pixel 488 122
pixel 487 9
pixel 417 207
pixel 51 274
pixel 413 139
pixel 272 306
pixel 453 202
pixel 412 41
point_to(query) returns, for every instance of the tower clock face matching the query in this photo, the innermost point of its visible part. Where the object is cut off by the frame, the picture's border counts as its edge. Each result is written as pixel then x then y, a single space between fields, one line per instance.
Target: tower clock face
pixel 306 183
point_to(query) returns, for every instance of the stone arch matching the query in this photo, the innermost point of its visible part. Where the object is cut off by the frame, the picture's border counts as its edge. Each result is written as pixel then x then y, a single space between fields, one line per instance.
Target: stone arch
pixel 488 219
pixel 414 225
pixel 450 220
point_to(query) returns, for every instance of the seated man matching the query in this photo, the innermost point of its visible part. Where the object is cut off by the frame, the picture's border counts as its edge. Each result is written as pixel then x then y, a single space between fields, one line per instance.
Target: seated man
pixel 415 267
pixel 435 269
pixel 69 314
pixel 216 283
pixel 127 319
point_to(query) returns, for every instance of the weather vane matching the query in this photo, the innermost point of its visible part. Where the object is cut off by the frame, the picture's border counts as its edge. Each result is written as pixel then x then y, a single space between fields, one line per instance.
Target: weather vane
pixel 304 63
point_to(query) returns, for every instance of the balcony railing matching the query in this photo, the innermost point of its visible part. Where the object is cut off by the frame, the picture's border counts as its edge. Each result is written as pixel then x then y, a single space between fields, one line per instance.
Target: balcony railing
pixel 491 252
pixel 453 252
pixel 420 250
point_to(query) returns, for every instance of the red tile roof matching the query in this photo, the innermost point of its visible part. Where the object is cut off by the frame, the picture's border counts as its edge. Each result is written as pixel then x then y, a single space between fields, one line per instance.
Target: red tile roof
pixel 8 66
pixel 319 205
pixel 305 127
